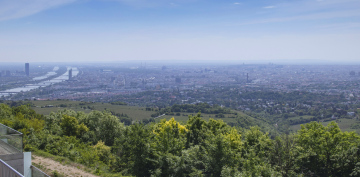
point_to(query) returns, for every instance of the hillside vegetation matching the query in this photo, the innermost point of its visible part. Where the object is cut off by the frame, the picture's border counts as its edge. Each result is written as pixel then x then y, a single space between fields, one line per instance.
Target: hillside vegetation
pixel 129 114
pixel 101 142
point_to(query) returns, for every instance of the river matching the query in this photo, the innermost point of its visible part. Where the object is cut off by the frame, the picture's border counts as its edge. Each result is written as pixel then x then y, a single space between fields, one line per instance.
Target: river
pixel 29 87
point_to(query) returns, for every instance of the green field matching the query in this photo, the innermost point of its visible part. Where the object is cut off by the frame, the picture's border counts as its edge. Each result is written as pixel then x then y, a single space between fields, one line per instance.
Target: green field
pixel 344 124
pixel 136 113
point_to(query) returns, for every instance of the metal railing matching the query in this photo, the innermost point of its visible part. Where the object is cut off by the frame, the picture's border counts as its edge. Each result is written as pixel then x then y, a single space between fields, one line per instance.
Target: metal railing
pixel 35 172
pixel 8 171
pixel 12 138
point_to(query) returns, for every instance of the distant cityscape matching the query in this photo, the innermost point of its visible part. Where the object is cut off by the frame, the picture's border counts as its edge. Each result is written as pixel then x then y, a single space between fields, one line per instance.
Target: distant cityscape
pixel 19 82
pixel 104 81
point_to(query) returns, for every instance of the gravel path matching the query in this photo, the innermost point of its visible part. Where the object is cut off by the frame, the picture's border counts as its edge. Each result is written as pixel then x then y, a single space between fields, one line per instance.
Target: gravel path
pixel 65 170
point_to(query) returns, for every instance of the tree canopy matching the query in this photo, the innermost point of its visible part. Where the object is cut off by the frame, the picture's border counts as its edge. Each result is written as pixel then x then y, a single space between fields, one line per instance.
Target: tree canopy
pixel 198 148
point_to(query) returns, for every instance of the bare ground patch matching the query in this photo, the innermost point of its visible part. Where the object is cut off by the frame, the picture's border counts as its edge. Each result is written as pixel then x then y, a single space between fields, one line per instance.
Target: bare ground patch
pixel 49 165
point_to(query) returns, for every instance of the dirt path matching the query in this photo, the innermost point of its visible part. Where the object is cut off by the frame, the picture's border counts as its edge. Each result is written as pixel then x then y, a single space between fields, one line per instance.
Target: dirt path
pixel 52 165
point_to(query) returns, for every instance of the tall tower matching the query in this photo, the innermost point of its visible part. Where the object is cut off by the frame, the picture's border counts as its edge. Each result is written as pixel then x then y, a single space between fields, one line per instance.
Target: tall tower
pixel 247 77
pixel 70 74
pixel 27 70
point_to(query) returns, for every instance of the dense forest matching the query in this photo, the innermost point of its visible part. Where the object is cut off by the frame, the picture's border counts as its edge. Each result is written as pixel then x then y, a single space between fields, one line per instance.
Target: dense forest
pixel 198 148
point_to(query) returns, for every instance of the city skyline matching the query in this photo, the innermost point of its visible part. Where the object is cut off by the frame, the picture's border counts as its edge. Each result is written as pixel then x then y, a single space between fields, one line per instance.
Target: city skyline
pixel 310 31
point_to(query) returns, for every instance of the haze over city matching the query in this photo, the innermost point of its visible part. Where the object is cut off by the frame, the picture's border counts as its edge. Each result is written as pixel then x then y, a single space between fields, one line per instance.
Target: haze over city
pixel 185 88
pixel 302 31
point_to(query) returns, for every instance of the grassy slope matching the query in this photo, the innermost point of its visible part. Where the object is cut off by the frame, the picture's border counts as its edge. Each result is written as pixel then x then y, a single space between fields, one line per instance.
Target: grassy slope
pixel 66 165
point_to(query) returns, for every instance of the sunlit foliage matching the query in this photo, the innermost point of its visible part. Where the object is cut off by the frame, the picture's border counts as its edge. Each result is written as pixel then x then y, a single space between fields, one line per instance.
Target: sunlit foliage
pixel 198 148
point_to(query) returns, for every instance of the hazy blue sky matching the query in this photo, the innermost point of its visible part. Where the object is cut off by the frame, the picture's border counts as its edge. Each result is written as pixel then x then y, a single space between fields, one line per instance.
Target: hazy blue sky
pixel 239 30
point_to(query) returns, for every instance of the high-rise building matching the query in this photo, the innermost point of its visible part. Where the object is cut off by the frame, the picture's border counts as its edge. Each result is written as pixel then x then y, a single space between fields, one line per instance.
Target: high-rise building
pixel 70 74
pixel 27 70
